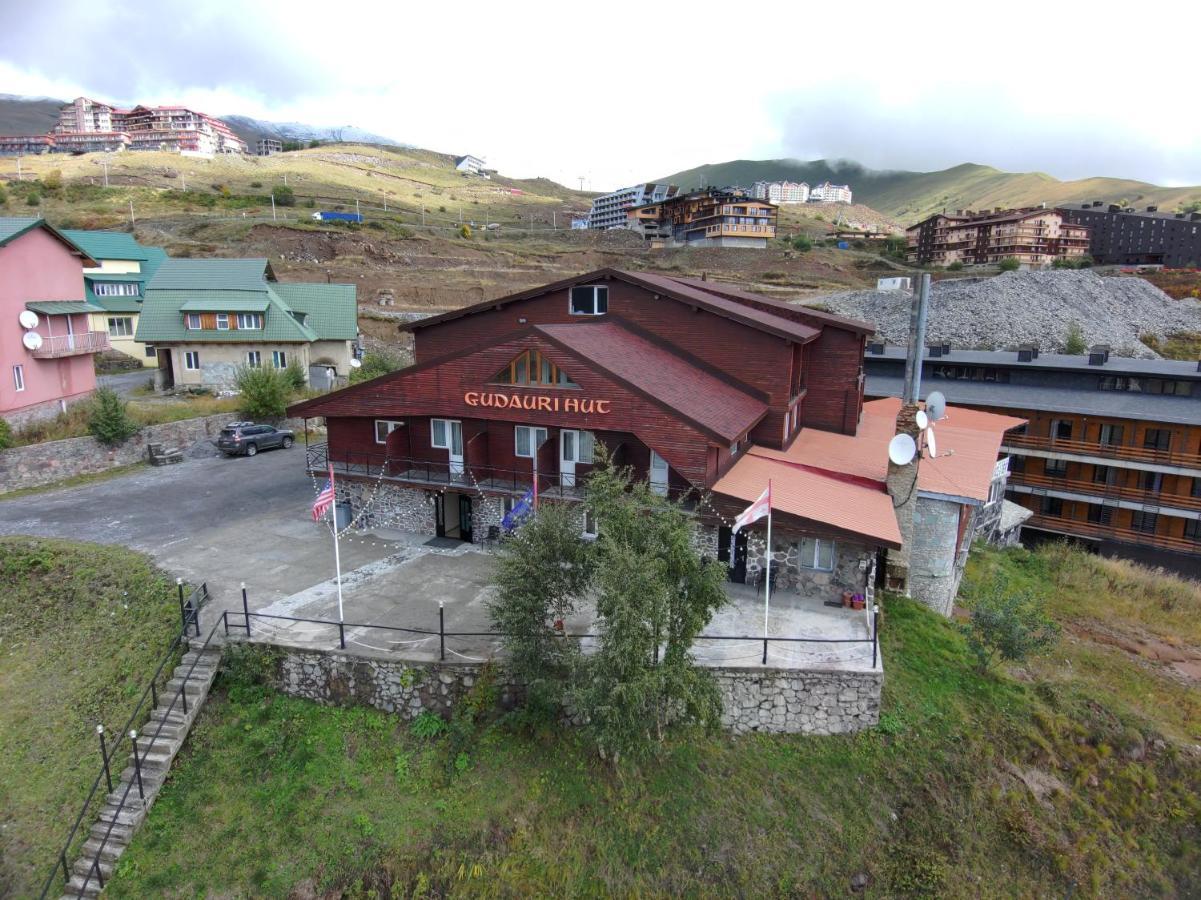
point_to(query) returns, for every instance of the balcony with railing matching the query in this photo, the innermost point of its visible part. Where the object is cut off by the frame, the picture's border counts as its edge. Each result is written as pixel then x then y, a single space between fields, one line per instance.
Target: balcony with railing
pixel 59 345
pixel 1021 443
pixel 1095 531
pixel 1099 492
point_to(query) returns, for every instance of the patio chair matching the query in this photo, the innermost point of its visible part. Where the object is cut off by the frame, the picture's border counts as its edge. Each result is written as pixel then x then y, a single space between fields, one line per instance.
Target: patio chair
pixel 493 537
pixel 760 578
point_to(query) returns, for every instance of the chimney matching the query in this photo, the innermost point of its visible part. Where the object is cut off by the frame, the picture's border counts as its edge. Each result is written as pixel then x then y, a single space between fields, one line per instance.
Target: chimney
pixel 1027 353
pixel 876 348
pixel 1098 355
pixel 1152 209
pixel 934 351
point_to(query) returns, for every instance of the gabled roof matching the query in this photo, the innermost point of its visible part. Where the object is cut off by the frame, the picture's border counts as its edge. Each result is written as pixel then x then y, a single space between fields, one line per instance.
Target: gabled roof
pixel 12 228
pixel 108 244
pixel 331 310
pixel 735 310
pixel 780 307
pixel 213 274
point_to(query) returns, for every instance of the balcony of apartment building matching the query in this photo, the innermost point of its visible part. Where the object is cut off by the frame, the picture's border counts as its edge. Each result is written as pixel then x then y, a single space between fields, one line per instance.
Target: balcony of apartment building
pixel 1148 533
pixel 60 345
pixel 1147 497
pixel 1145 458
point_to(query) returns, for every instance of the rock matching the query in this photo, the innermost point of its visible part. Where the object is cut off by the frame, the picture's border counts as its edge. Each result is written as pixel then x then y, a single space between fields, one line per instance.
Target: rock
pixel 859 882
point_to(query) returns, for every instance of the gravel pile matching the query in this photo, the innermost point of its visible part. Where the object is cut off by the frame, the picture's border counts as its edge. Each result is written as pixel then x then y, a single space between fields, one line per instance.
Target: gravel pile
pixel 1029 307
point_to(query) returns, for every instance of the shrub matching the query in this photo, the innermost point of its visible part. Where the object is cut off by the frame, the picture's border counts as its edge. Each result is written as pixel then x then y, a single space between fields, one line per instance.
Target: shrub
pixel 1009 264
pixel 295 375
pixel 108 418
pixel 310 203
pixel 33 199
pixel 1073 341
pixel 802 243
pixel 3 195
pixel 264 391
pixel 53 180
pixel 1008 626
pixel 256 184
pixel 284 195
pixel 956 266
pixel 375 363
pixel 6 434
pixel 465 231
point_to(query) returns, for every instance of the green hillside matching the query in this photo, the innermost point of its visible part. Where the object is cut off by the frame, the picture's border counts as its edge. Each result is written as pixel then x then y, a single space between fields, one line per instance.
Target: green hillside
pixel 911 196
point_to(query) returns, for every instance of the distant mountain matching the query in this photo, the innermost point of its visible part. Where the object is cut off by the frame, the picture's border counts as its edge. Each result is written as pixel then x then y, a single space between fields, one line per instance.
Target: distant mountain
pixel 27 115
pixel 911 196
pixel 37 115
pixel 253 130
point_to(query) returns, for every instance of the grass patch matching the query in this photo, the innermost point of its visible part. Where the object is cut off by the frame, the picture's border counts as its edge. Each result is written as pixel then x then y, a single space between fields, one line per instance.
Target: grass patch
pixel 82 628
pixel 1184 345
pixel 74 422
pixel 75 481
pixel 973 785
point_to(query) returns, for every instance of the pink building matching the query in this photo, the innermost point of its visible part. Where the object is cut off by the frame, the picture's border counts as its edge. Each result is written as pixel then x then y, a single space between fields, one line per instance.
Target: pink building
pixel 46 349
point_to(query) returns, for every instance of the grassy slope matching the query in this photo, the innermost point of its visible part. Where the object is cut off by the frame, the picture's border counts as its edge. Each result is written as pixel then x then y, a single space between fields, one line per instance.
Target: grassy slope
pixel 82 628
pixel 275 794
pixel 910 196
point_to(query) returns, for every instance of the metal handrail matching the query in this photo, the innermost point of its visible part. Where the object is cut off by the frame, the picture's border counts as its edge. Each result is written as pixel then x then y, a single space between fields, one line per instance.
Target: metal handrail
pixel 1096 448
pixel 109 753
pixel 1107 491
pixel 1081 528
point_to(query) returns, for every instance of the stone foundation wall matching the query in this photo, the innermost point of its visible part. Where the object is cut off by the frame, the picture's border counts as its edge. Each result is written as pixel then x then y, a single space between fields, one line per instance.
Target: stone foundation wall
pixel 389 505
pixel 40 412
pixel 767 700
pixel 935 569
pixel 854 567
pixel 38 464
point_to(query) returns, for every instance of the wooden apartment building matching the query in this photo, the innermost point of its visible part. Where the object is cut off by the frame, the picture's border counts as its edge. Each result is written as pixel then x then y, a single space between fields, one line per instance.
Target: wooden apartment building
pixel 708 218
pixel 1034 236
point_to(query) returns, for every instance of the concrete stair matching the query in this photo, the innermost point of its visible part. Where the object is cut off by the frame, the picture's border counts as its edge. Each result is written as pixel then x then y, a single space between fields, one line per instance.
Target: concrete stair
pixel 159 740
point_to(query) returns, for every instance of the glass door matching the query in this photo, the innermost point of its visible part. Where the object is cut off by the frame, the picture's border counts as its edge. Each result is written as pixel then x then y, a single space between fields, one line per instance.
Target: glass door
pixel 658 473
pixel 569 455
pixel 456 449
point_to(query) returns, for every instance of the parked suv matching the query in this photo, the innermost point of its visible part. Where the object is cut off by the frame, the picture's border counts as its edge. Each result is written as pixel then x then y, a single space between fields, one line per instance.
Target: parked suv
pixel 247 438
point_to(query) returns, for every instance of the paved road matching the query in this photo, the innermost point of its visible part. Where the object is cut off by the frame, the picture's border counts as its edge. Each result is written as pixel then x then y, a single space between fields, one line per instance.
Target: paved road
pixel 125 383
pixel 218 520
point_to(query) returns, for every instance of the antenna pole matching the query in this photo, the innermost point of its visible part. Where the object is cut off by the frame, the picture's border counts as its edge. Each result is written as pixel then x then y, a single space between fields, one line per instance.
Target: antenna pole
pixel 923 309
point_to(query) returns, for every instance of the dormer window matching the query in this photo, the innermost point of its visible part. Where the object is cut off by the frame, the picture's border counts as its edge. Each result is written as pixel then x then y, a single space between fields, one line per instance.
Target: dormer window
pixel 193 321
pixel 531 367
pixel 589 300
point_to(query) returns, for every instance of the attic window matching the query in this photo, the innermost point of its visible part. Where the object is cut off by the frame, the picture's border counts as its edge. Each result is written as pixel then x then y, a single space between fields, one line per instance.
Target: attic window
pixel 589 300
pixel 531 367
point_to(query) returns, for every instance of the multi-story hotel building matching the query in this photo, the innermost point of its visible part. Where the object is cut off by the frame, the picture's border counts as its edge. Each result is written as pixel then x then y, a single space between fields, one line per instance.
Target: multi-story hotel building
pixel 830 193
pixel 1129 237
pixel 1111 454
pixel 717 218
pixel 1034 236
pixel 704 390
pixel 781 191
pixel 609 210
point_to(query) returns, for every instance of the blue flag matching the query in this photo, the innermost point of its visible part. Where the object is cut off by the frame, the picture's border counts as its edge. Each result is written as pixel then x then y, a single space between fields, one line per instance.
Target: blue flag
pixel 520 510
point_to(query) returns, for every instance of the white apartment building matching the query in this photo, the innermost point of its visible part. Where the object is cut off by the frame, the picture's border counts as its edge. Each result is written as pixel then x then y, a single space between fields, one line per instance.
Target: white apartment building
pixel 781 191
pixel 609 210
pixel 830 193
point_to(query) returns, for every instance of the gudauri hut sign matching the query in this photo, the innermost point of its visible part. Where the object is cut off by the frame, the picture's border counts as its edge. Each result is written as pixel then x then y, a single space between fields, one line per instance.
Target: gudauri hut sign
pixel 537 402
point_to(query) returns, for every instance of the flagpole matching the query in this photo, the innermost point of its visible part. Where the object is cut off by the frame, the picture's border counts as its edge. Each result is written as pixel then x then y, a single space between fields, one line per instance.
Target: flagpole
pixel 535 443
pixel 333 516
pixel 767 586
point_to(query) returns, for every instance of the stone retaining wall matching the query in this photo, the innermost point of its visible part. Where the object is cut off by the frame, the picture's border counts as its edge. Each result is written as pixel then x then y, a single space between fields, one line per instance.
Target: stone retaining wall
pixel 38 464
pixel 767 700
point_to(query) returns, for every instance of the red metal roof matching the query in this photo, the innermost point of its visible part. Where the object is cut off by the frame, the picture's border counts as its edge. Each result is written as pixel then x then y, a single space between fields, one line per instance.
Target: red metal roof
pixel 781 307
pixel 718 406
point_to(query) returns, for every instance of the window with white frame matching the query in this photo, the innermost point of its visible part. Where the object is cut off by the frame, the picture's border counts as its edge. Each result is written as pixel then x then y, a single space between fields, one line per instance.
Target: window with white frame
pixel 589 300
pixel 440 434
pixel 383 428
pixel 192 321
pixel 816 553
pixel 279 359
pixel 116 289
pixel 250 321
pixel 529 439
pixel 191 360
pixel 120 326
pixel 996 491
pixel 223 321
pixel 19 378
pixel 254 358
pixel 587 448
pixel 151 353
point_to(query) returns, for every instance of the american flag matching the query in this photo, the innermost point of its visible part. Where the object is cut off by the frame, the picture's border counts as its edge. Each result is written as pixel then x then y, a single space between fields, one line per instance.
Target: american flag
pixel 326 498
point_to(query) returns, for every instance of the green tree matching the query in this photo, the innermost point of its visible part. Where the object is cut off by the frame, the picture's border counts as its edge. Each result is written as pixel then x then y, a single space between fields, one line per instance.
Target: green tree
pixel 6 434
pixel 542 570
pixel 652 590
pixel 375 364
pixel 3 196
pixel 284 195
pixel 294 373
pixel 956 266
pixel 1073 341
pixel 1008 626
pixel 53 181
pixel 264 391
pixel 1009 264
pixel 108 418
pixel 33 199
pixel 465 231
pixel 803 243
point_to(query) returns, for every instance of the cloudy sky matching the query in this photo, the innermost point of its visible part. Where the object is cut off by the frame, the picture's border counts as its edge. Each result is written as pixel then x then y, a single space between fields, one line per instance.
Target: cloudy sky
pixel 623 91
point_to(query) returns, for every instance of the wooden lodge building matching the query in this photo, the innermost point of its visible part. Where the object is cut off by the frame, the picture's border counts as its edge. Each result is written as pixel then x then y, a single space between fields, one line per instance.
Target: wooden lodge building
pixel 703 389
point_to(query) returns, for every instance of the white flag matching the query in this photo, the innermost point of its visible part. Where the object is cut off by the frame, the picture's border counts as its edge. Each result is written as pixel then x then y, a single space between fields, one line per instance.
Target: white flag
pixel 755 511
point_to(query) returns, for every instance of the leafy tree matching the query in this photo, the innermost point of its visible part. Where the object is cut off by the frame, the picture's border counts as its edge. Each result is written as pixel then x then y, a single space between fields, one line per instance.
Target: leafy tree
pixel 1191 207
pixel 956 266
pixel 1008 626
pixel 1073 341
pixel 3 196
pixel 314 143
pixel 803 243
pixel 53 181
pixel 465 231
pixel 284 195
pixel 1009 264
pixel 108 418
pixel 375 364
pixel 295 375
pixel 33 199
pixel 6 434
pixel 542 570
pixel 264 391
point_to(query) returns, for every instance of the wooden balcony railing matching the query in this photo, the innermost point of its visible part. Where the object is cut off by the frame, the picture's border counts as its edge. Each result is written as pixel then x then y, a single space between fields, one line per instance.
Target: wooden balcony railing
pixel 1015 443
pixel 59 345
pixel 1074 528
pixel 1041 483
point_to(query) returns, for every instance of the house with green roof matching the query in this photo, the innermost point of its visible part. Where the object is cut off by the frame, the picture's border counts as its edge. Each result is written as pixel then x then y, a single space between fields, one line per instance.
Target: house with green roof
pixel 206 318
pixel 117 286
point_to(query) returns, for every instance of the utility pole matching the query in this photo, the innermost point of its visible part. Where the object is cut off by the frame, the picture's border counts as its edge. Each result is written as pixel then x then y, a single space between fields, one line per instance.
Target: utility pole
pixel 356 208
pixel 273 207
pixel 554 220
pixel 285 179
pixel 20 178
pixel 105 164
pixel 132 220
pixel 460 215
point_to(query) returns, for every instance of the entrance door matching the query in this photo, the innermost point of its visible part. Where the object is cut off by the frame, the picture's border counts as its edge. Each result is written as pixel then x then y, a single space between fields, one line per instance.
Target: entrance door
pixel 440 515
pixel 456 450
pixel 465 518
pixel 658 473
pixel 70 333
pixel 569 455
pixel 731 549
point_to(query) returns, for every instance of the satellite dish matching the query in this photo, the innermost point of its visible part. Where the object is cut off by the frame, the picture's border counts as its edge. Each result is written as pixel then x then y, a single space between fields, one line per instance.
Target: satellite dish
pixel 923 420
pixel 32 340
pixel 356 363
pixel 936 405
pixel 901 450
pixel 930 445
pixel 28 318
